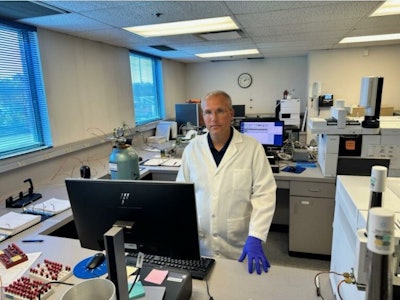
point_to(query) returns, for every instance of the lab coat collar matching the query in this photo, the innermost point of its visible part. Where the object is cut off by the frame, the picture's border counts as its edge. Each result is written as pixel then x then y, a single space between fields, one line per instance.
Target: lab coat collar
pixel 231 151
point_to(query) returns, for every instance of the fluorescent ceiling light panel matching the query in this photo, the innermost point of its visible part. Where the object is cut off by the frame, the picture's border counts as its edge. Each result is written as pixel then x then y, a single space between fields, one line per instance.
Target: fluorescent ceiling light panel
pixel 185 27
pixel 228 53
pixel 389 7
pixel 371 38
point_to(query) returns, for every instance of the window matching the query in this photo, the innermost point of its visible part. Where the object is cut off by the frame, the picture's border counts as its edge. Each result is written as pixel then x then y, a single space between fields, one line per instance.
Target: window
pixel 147 88
pixel 24 124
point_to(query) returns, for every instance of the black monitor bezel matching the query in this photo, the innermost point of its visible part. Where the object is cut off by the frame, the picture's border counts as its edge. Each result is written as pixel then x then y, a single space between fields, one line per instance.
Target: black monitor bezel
pixel 163 212
pixel 239 108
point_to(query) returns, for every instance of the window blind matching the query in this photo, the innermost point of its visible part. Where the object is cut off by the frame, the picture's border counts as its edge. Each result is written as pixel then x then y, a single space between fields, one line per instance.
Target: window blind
pixel 147 88
pixel 24 123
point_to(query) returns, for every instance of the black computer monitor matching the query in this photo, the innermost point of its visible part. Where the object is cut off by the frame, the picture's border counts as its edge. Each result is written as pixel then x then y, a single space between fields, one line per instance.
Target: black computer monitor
pixel 269 132
pixel 163 213
pixel 240 111
pixel 188 112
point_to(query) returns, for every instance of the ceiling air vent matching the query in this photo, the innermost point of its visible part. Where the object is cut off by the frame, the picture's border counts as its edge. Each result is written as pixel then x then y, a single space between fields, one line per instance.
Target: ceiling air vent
pixel 16 10
pixel 163 48
pixel 222 35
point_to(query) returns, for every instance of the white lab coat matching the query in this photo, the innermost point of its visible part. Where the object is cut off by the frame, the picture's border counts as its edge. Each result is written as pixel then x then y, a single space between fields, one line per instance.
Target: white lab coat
pixel 235 199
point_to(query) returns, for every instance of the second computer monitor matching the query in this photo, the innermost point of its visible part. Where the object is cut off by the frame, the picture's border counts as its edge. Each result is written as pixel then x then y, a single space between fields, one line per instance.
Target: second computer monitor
pixel 269 132
pixel 240 111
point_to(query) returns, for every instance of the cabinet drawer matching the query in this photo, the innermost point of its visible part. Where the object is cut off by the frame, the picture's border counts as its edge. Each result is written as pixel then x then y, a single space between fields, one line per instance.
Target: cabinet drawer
pixel 312 189
pixel 282 184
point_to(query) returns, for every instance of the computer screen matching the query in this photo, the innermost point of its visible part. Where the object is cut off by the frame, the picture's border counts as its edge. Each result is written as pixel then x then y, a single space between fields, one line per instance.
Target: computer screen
pixel 188 112
pixel 163 213
pixel 240 111
pixel 269 132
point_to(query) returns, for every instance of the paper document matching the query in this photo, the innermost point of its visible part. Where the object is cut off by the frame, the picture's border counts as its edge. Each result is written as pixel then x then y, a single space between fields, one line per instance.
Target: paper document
pixel 172 162
pixel 167 162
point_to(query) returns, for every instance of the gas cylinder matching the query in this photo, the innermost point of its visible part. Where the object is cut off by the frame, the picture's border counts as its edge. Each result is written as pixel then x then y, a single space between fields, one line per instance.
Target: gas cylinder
pixel 124 162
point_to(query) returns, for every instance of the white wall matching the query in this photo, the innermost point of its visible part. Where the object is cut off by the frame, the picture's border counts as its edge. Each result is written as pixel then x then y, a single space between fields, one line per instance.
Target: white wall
pixel 87 85
pixel 340 72
pixel 174 85
pixel 271 77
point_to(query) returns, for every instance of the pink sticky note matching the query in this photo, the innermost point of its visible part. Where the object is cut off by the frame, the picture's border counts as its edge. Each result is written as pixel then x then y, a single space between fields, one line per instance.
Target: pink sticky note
pixel 156 276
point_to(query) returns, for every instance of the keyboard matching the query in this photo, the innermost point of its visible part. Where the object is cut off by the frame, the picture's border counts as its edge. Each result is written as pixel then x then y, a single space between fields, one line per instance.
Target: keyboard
pixel 199 269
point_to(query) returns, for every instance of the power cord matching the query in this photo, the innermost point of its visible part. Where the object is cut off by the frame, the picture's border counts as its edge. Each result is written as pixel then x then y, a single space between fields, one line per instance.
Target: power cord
pixel 348 278
pixel 208 291
pixel 52 282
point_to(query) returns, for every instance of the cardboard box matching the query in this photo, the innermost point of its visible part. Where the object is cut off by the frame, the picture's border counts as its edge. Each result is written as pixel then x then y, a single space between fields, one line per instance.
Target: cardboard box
pixel 387 111
pixel 357 112
pixel 360 111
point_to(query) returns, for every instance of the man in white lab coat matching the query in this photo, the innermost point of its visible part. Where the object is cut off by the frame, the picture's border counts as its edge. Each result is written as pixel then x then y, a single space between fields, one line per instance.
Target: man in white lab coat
pixel 235 187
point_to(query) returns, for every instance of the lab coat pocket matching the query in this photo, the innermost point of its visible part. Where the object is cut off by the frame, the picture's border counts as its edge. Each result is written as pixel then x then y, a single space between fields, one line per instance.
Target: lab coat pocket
pixel 238 229
pixel 241 180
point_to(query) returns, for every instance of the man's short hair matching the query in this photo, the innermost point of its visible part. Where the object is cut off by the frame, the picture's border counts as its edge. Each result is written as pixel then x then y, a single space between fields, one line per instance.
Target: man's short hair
pixel 217 93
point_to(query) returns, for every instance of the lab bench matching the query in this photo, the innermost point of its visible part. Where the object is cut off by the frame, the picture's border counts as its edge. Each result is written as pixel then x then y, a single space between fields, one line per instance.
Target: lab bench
pixel 305 206
pixel 229 279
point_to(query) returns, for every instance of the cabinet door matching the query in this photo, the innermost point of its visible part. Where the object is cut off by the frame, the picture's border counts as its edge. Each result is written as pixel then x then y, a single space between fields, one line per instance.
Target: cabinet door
pixel 310 224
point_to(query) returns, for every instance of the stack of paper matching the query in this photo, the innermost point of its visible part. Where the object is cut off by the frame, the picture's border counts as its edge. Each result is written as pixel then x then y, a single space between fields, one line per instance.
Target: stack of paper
pixel 167 162
pixel 12 223
pixel 173 162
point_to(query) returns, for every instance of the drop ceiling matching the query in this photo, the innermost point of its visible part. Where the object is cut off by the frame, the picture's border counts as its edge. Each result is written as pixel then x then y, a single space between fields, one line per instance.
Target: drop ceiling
pixel 275 28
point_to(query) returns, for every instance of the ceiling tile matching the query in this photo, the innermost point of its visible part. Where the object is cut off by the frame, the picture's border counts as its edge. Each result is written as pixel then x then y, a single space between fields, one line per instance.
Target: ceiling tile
pixel 275 28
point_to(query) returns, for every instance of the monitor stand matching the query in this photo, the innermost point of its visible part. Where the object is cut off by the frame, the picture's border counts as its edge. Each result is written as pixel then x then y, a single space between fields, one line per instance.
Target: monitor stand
pixel 270 155
pixel 177 287
pixel 115 254
pixel 272 158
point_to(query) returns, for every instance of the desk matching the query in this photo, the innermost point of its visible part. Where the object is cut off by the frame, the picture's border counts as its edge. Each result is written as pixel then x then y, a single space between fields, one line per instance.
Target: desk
pixel 229 278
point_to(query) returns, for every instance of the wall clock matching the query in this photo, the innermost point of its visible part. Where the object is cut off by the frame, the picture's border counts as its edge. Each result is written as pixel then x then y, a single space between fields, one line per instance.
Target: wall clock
pixel 245 80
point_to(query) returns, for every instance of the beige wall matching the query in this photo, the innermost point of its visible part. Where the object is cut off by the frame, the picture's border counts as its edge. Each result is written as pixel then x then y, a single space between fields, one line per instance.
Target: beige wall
pixel 87 85
pixel 340 72
pixel 174 85
pixel 271 76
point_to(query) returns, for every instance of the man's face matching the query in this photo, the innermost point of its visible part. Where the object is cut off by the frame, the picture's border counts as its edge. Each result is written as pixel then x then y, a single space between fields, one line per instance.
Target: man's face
pixel 217 115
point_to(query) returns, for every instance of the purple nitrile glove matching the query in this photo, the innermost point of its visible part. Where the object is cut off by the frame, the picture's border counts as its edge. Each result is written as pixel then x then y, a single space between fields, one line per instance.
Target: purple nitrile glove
pixel 255 255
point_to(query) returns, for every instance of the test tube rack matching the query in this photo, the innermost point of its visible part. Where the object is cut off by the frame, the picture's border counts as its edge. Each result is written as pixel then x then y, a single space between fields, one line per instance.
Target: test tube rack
pixel 50 271
pixel 12 255
pixel 26 288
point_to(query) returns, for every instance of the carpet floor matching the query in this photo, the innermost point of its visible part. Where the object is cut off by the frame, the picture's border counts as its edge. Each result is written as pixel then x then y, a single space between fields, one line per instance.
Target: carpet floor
pixel 277 252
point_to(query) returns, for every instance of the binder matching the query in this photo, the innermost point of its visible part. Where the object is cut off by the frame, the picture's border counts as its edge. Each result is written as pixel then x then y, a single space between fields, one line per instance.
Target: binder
pixel 51 207
pixel 12 223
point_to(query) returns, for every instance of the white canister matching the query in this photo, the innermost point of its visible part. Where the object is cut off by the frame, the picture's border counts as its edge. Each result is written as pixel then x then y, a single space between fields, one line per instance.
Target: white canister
pixel 96 288
pixel 381 231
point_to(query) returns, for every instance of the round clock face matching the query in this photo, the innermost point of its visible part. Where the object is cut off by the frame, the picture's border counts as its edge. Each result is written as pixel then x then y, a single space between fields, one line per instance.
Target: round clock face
pixel 245 80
